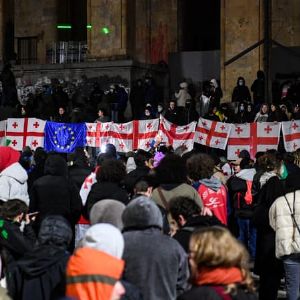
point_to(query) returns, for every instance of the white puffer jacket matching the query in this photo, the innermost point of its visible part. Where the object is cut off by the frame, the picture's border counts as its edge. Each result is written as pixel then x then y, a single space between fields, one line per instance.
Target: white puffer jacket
pixel 287 235
pixel 13 183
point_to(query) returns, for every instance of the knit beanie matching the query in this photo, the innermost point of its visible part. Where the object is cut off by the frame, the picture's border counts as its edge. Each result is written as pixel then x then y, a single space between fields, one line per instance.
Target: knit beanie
pixel 106 238
pixel 107 211
pixel 8 156
pixel 141 213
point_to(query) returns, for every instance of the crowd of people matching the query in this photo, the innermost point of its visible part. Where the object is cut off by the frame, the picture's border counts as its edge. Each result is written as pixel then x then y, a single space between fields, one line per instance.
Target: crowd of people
pixel 158 224
pixel 88 101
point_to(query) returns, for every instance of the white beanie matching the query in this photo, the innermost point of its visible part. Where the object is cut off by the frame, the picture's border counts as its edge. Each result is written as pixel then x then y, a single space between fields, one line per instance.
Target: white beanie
pixel 104 237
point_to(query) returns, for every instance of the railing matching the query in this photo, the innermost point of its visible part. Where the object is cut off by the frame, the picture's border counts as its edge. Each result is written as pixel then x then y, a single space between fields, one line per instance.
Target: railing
pixel 66 52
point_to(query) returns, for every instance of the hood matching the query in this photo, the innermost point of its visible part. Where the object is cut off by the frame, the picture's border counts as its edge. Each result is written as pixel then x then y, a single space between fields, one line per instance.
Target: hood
pixel 8 156
pixel 265 177
pixel 107 211
pixel 17 172
pixel 246 174
pixel 142 213
pixel 212 183
pixel 240 78
pixel 214 83
pixel 38 261
pixel 183 85
pixel 106 238
pixel 55 230
pixel 56 165
pixel 107 271
pixel 130 165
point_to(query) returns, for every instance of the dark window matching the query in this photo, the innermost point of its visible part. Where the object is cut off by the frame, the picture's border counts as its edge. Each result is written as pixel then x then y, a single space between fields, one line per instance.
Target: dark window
pixel 27 50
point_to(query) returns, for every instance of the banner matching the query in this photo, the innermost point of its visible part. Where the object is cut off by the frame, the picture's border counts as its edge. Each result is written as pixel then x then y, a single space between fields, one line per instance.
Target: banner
pixel 177 136
pixel 25 132
pixel 64 137
pixel 291 135
pixel 253 137
pixel 2 132
pixel 98 134
pixel 212 133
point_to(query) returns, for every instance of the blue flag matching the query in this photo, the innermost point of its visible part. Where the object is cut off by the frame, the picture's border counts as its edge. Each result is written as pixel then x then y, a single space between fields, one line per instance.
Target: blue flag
pixel 64 137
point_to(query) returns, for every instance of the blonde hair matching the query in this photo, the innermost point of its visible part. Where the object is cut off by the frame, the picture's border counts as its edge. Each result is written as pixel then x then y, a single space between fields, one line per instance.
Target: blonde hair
pixel 214 247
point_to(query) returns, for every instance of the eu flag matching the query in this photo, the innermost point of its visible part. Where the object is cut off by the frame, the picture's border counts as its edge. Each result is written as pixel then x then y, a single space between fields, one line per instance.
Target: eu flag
pixel 64 137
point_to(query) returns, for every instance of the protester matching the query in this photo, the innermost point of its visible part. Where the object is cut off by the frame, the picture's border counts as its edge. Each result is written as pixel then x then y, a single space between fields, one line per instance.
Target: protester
pixel 108 185
pixel 262 115
pixel 241 92
pixel 40 274
pixel 155 263
pixel 219 267
pixel 15 242
pixel 213 193
pixel 183 95
pixel 284 217
pixel 267 266
pixel 13 178
pixel 94 271
pixel 54 193
pixel 172 177
pixel 188 217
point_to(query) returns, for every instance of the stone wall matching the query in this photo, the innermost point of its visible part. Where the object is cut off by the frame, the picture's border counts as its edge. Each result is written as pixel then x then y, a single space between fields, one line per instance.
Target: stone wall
pixel 155 29
pixel 37 19
pixel 110 15
pixel 241 27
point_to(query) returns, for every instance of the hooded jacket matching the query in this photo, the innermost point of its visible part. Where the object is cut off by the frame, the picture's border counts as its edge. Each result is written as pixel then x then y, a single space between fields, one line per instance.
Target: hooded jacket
pixel 155 263
pixel 237 187
pixel 13 183
pixel 241 93
pixel 183 95
pixel 40 274
pixel 287 239
pixel 214 196
pixel 87 279
pixel 54 193
pixel 13 178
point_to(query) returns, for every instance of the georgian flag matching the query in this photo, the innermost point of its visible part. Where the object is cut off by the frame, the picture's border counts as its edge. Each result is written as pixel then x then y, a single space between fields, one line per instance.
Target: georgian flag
pixel 254 137
pixel 25 132
pixel 122 136
pixel 98 134
pixel 2 132
pixel 144 132
pixel 212 133
pixel 291 135
pixel 177 136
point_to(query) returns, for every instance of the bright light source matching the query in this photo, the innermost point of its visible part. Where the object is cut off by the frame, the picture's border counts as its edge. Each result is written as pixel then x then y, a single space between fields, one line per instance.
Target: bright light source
pixel 89 26
pixel 64 26
pixel 105 30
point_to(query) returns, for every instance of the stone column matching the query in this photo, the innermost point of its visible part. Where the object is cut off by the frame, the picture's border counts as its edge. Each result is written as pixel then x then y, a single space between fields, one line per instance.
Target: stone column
pixel 241 27
pixel 107 37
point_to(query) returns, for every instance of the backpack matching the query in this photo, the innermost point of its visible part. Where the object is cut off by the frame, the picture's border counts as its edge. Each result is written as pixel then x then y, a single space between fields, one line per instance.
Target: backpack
pixel 243 202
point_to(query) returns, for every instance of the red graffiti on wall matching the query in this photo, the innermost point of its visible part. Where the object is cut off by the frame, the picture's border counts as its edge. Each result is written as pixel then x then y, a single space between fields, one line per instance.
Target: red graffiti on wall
pixel 159 44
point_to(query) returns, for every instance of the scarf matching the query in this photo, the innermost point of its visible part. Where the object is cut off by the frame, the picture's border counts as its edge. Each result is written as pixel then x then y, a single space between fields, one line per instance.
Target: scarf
pixel 219 276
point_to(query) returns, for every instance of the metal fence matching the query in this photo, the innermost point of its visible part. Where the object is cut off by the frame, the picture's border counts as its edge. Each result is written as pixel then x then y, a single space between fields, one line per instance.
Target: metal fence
pixel 66 52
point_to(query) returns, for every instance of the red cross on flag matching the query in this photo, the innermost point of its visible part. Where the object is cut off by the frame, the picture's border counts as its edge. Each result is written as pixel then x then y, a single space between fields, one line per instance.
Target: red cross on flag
pixel 212 133
pixel 122 136
pixel 98 134
pixel 2 132
pixel 25 132
pixel 177 135
pixel 144 131
pixel 253 137
pixel 291 135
